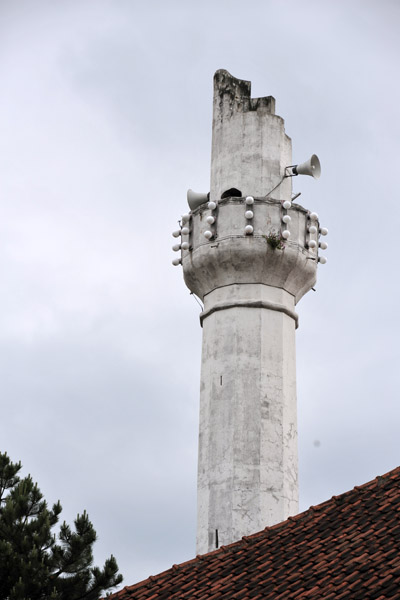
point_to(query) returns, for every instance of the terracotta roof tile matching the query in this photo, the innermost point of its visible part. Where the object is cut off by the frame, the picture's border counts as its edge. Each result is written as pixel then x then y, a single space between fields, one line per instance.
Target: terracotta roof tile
pixel 347 548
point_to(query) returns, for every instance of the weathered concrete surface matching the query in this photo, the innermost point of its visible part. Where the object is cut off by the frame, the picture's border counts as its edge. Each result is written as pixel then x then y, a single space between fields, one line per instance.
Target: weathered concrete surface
pixel 247 470
pixel 232 257
pixel 249 146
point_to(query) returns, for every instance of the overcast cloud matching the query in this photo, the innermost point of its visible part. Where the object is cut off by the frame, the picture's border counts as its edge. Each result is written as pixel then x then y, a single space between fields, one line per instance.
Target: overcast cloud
pixel 105 119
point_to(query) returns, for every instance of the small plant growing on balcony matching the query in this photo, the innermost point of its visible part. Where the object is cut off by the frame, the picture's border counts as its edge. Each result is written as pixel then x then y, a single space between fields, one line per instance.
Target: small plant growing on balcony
pixel 275 240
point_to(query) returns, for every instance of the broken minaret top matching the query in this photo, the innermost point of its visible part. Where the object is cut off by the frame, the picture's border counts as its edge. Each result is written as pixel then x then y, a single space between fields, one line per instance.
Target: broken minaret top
pixel 249 144
pixel 239 92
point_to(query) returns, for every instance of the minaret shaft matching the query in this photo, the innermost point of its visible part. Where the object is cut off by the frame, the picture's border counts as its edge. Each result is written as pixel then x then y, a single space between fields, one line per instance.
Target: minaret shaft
pixel 247 471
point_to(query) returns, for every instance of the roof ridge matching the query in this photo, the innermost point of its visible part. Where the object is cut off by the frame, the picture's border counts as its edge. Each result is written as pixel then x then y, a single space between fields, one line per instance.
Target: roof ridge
pixel 290 524
pixel 317 508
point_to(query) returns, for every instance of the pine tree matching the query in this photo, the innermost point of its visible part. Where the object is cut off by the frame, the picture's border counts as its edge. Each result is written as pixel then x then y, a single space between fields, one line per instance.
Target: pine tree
pixel 37 564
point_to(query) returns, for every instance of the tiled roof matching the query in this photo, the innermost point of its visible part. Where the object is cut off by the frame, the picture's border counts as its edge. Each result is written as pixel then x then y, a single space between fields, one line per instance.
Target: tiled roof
pixel 346 548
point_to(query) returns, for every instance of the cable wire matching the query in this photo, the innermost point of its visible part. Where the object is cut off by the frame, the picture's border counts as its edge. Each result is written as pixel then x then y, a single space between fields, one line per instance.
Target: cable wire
pixel 273 189
pixel 197 300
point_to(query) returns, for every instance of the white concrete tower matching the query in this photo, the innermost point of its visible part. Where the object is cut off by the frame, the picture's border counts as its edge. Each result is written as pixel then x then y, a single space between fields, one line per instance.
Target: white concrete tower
pixel 250 255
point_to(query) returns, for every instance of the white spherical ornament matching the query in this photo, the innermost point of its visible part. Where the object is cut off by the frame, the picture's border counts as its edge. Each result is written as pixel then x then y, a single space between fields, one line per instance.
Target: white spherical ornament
pixel 287 204
pixel 322 260
pixel 323 245
pixel 185 230
pixel 312 244
pixel 312 229
pixel 314 216
pixel 176 247
pixel 248 230
pixel 286 234
pixel 210 220
pixel 185 246
pixel 208 235
pixel 286 219
pixel 249 200
pixel 249 214
pixel 211 205
pixel 323 231
pixel 185 218
pixel 176 262
pixel 176 233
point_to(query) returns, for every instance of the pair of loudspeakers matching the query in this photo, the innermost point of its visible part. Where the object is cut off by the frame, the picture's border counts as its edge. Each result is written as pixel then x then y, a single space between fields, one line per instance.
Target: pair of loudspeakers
pixel 311 167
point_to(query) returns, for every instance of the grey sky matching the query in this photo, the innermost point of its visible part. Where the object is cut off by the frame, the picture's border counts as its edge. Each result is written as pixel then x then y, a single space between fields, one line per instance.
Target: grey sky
pixel 105 117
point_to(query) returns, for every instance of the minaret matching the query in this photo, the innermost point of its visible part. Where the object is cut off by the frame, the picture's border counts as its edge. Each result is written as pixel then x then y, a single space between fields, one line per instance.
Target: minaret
pixel 249 254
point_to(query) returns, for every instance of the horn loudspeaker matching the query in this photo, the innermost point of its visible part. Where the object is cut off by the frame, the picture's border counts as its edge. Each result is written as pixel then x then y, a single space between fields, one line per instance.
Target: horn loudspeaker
pixel 196 199
pixel 312 167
